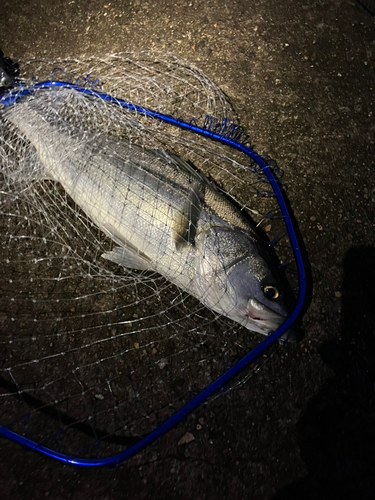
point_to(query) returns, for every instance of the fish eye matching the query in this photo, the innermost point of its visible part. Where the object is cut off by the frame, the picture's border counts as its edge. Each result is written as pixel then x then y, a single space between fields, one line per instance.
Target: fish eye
pixel 270 292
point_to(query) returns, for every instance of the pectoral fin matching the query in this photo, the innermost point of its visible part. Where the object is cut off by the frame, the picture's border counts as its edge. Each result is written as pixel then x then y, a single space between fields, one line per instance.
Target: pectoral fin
pixel 185 222
pixel 126 254
pixel 127 258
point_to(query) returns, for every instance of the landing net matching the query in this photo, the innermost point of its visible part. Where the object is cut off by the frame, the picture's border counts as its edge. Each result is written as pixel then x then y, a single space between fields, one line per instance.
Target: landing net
pixel 97 360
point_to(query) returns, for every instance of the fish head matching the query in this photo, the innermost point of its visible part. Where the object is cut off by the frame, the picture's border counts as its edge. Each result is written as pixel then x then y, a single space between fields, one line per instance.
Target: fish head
pixel 237 278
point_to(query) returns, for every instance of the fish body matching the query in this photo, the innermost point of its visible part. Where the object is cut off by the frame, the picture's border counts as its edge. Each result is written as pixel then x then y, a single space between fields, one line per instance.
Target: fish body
pixel 162 214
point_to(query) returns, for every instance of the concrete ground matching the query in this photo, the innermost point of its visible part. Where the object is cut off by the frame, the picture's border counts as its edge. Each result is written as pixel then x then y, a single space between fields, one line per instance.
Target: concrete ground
pixel 301 76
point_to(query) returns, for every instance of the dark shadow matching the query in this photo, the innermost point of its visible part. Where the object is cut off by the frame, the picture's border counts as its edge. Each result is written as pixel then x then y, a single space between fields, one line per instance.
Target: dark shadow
pixel 337 431
pixel 64 420
pixel 368 5
pixel 9 71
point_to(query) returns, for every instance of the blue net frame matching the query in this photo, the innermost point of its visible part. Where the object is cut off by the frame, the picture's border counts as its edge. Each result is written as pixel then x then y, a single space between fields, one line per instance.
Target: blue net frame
pixel 227 134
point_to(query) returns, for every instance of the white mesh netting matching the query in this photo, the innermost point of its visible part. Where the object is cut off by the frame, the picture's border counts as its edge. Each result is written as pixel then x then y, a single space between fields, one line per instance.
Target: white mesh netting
pixel 89 350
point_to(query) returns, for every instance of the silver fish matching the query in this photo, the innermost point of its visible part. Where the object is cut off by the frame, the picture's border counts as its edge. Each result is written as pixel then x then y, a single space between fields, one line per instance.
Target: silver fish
pixel 162 214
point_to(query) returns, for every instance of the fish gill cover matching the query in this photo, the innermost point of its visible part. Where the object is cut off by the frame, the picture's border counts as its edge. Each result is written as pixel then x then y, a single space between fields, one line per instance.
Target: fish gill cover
pixel 95 355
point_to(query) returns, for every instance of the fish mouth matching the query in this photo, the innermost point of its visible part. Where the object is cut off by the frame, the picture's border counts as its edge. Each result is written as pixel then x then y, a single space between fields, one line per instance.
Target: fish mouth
pixel 265 319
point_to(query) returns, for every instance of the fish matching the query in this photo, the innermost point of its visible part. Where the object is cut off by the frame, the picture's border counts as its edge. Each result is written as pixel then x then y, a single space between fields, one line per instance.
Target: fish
pixel 162 214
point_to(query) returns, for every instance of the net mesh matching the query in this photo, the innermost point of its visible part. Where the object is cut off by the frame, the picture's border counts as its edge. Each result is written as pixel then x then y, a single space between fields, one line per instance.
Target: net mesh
pixel 93 356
